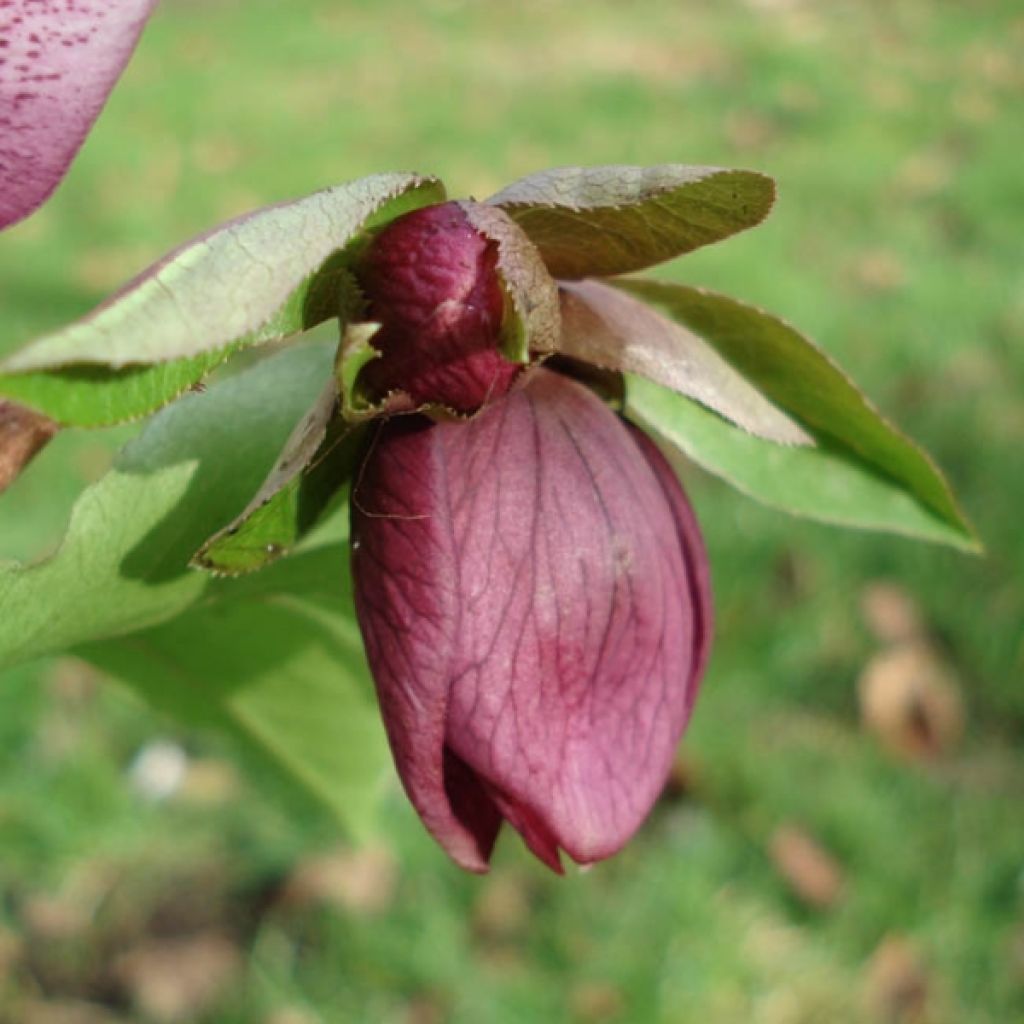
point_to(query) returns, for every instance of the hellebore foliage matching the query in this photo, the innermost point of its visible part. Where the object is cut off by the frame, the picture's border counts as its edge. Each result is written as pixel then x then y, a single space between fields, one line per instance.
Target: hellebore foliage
pixel 469 467
pixel 166 330
pixel 519 558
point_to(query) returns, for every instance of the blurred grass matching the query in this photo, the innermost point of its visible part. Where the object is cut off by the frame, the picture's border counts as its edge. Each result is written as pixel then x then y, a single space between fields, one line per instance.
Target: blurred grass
pixel 894 131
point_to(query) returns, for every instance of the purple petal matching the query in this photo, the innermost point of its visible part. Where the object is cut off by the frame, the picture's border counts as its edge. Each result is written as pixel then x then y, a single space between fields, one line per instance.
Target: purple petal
pixel 59 59
pixel 698 568
pixel 402 558
pixel 534 597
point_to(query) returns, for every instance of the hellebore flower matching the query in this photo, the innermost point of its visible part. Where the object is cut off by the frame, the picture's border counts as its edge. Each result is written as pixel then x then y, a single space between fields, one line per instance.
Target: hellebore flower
pixel 529 579
pixel 531 583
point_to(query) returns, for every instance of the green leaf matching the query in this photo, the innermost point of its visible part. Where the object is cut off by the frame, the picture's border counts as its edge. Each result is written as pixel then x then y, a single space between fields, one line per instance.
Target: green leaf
pixel 98 396
pixel 600 221
pixel 605 328
pixel 826 483
pixel 314 466
pixel 823 483
pixel 531 321
pixel 801 379
pixel 123 564
pixel 354 352
pixel 283 672
pixel 262 277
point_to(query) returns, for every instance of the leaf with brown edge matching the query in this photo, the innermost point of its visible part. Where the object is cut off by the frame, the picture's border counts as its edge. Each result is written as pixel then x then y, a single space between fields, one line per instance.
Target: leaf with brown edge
pixel 531 322
pixel 22 434
pixel 607 328
pixel 262 277
pixel 600 221
pixel 315 463
pixel 801 379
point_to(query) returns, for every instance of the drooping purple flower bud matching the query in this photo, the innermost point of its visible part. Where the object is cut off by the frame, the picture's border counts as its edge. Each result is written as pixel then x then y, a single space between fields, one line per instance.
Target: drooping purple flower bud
pixel 430 281
pixel 533 592
pixel 58 63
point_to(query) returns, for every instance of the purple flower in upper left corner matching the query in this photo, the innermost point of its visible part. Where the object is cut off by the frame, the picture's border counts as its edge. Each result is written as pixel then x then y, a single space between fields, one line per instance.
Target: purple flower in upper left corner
pixel 58 63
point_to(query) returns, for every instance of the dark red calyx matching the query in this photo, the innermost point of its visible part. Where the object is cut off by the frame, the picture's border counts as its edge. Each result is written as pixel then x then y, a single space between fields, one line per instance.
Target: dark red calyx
pixel 431 282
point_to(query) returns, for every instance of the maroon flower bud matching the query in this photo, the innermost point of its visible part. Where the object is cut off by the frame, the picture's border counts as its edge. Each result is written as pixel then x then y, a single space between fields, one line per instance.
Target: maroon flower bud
pixel 430 281
pixel 533 592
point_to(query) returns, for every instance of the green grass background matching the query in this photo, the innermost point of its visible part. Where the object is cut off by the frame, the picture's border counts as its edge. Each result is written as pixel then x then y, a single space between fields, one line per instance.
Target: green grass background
pixel 894 131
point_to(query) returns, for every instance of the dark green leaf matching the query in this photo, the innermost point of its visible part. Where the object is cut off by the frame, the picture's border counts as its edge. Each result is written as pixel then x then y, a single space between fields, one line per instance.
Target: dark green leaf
pixel 599 221
pixel 98 396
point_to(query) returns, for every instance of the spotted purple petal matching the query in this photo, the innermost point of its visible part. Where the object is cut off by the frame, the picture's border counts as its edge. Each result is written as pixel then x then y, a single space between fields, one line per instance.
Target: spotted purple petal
pixel 59 59
pixel 534 597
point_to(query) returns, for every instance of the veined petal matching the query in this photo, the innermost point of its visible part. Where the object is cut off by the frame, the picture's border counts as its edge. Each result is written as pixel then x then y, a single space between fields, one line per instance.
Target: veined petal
pixel 698 568
pixel 534 598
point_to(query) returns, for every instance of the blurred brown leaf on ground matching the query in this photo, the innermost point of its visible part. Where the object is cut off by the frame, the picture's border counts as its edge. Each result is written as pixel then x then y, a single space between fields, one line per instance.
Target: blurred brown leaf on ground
pixel 178 979
pixel 360 881
pixel 909 694
pixel 812 874
pixel 891 613
pixel 910 699
pixel 896 985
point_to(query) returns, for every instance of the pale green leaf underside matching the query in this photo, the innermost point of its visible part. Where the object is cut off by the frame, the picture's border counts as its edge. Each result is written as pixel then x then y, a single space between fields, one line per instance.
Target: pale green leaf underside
pixel 274 657
pixel 284 673
pixel 601 221
pixel 247 279
pixel 800 378
pixel 265 276
pixel 604 327
pixel 123 564
pixel 821 483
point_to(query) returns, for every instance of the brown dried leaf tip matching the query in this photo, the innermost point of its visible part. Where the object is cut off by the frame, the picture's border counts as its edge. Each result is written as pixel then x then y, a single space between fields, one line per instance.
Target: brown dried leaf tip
pixel 22 434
